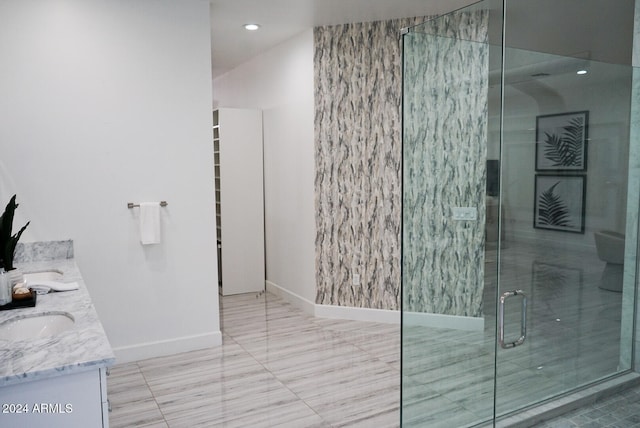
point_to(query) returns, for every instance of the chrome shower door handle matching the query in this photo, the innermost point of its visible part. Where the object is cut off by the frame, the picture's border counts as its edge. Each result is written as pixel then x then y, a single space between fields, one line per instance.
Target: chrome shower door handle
pixel 523 320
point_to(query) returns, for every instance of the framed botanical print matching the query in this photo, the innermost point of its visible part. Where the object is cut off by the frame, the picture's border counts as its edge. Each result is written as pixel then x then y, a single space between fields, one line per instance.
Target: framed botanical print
pixel 561 142
pixel 559 202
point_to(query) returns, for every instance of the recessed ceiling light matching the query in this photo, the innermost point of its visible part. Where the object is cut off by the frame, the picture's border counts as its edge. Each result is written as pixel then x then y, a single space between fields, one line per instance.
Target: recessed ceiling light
pixel 581 72
pixel 251 27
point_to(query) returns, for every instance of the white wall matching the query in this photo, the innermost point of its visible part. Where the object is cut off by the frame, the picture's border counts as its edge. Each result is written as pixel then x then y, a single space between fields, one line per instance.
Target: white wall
pixel 103 103
pixel 280 82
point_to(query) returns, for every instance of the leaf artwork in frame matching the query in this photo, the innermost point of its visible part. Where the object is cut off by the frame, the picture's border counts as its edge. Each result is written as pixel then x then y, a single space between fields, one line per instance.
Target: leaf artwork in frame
pixel 561 142
pixel 552 210
pixel 559 203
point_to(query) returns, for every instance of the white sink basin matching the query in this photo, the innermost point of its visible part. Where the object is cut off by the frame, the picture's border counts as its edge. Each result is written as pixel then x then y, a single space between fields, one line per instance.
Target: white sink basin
pixel 48 275
pixel 36 326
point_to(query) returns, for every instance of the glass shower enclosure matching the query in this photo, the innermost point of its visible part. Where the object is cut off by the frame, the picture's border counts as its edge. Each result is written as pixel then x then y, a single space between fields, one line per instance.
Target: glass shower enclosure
pixel 520 209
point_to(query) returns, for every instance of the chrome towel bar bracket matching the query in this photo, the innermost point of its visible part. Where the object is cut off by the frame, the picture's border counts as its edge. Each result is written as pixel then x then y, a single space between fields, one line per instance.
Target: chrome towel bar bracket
pixel 132 205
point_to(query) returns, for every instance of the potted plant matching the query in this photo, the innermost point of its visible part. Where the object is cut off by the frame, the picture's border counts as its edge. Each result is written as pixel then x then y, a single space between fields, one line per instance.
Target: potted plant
pixel 8 241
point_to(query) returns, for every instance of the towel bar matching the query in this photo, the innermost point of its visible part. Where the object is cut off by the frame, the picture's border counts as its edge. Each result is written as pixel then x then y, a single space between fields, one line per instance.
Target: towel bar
pixel 132 205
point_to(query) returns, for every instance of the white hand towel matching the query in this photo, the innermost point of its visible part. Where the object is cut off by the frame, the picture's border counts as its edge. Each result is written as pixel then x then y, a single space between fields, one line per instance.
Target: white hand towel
pixel 43 287
pixel 149 223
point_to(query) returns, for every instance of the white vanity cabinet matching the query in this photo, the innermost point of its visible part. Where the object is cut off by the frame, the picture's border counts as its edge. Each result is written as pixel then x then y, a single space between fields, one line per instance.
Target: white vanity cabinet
pixel 58 379
pixel 68 400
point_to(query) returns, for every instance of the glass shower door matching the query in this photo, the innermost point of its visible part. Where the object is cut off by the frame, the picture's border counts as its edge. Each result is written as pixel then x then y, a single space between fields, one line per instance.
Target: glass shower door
pixel 448 335
pixel 518 259
pixel 564 169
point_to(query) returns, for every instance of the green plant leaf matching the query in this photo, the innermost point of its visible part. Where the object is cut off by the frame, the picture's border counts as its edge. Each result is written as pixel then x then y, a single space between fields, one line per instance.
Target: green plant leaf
pixel 8 242
pixel 11 247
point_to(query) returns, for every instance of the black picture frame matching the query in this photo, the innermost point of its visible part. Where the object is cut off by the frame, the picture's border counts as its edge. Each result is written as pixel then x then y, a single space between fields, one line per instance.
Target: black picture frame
pixel 561 142
pixel 559 202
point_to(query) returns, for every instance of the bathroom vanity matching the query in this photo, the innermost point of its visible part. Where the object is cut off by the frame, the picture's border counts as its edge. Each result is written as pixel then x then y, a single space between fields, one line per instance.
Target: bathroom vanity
pixel 58 380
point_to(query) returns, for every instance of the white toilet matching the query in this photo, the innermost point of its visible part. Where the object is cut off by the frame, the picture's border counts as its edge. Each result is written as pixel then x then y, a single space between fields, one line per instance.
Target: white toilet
pixel 610 247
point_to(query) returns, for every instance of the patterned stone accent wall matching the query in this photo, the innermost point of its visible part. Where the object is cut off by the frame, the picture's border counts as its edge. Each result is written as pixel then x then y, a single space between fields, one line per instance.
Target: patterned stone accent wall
pixel 445 128
pixel 358 76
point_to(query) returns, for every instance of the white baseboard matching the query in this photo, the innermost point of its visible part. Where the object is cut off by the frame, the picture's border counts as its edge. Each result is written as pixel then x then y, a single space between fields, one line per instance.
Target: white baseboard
pixel 444 321
pixel 357 314
pixel 296 300
pixel 334 312
pixel 376 315
pixel 142 351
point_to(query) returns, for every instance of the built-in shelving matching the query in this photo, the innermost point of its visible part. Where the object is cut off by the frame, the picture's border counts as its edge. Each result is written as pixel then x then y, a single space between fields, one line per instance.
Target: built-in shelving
pixel 216 165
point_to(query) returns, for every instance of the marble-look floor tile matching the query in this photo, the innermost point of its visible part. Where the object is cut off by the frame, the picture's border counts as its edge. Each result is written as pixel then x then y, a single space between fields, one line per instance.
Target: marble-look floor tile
pixel 435 411
pixel 382 341
pixel 131 400
pixel 186 371
pixel 258 398
pixel 279 367
pixel 152 425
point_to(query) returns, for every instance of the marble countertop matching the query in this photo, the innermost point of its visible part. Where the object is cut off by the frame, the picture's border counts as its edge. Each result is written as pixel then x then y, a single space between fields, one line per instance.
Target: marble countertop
pixel 83 347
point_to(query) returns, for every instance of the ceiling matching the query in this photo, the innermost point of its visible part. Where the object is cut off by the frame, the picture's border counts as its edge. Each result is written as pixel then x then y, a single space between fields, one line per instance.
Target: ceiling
pixel 576 28
pixel 232 45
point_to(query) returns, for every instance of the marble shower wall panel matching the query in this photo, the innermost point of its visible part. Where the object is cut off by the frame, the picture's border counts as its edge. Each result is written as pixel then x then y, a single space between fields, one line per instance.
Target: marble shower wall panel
pixel 358 80
pixel 445 146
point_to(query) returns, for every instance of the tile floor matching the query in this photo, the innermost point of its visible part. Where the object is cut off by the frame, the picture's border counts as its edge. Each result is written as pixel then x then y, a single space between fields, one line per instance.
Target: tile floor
pixel 279 367
pixel 573 338
pixel 618 411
